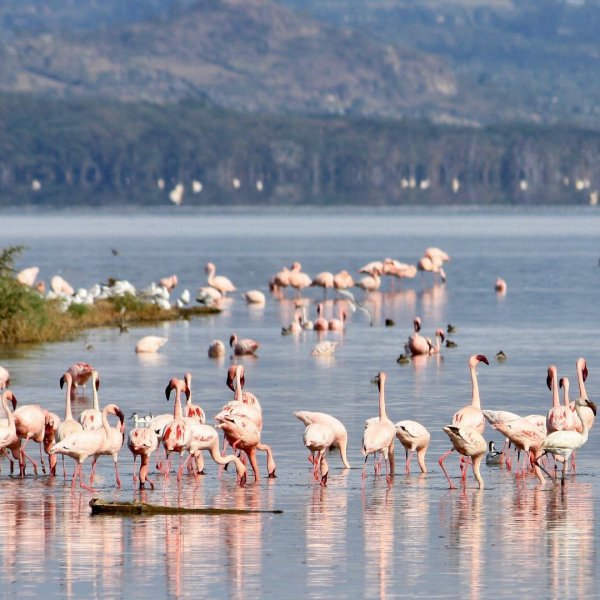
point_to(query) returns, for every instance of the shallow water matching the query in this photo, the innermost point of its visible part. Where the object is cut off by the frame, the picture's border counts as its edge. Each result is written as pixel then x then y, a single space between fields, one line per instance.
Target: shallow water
pixel 350 539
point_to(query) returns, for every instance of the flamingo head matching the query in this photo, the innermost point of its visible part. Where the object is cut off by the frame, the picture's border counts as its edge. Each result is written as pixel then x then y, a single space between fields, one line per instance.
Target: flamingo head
pixel 10 396
pixel 66 378
pixel 563 383
pixel 550 376
pixel 209 267
pixel 582 366
pixel 232 339
pixel 417 324
pixel 440 333
pixel 172 385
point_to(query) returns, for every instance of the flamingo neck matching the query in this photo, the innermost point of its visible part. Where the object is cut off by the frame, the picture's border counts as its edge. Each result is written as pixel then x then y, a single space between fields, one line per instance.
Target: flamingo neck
pixel 555 396
pixel 475 400
pixel 177 406
pixel 566 394
pixel 9 415
pixel 382 414
pixel 238 388
pixel 95 395
pixel 584 427
pixel 68 413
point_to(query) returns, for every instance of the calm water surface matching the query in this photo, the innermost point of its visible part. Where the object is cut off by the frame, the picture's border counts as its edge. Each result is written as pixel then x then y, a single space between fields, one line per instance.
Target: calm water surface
pixel 350 539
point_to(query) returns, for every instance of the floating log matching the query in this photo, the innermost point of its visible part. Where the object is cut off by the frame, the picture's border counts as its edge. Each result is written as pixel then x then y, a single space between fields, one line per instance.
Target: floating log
pixel 104 507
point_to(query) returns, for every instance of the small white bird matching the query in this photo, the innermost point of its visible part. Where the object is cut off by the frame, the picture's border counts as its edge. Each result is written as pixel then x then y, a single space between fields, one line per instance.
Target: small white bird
pixel 254 297
pixel 324 348
pixel 150 343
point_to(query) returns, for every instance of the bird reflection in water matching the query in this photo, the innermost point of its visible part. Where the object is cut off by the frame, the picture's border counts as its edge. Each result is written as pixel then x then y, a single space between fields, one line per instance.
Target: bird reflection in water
pixel 378 541
pixel 325 527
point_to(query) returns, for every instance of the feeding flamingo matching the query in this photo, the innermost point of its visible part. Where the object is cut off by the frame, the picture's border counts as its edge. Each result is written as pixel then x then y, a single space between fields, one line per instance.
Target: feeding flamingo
pixel 219 282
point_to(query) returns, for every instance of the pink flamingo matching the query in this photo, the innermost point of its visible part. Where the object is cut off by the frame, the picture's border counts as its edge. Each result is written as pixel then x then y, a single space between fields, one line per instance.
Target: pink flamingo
pixel 4 378
pixel 380 435
pixel 81 372
pixel 111 445
pixel 525 436
pixel 434 266
pixel 177 434
pixel 343 280
pixel 30 422
pixel 320 323
pixel 318 438
pixel 417 344
pixel 436 253
pixel 69 425
pixel 142 441
pixel 588 414
pixel 169 282
pixel 299 280
pixel 338 324
pixel 79 446
pixel 216 349
pixel 244 346
pixel 193 411
pixel 468 417
pixel 244 402
pixel 324 280
pixel 470 443
pixel 500 286
pixel 219 282
pixel 150 344
pixel 559 417
pixel 51 425
pixel 9 440
pixel 439 339
pixel 295 326
pixel 91 418
pixel 205 437
pixel 370 283
pixel 415 438
pixel 370 268
pixel 564 443
pixel 340 433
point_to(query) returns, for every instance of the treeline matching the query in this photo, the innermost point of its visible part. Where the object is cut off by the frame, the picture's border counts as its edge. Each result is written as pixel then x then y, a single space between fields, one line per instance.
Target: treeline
pixel 103 152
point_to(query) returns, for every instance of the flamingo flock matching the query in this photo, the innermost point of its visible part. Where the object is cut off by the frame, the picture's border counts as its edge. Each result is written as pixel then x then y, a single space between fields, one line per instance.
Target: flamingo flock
pixel 543 442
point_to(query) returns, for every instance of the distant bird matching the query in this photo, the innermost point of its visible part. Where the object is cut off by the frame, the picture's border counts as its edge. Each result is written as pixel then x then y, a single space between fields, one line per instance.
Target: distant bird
pixel 81 373
pixel 216 349
pixel 500 286
pixel 208 295
pixel 254 297
pixel 320 323
pixel 243 346
pixel 324 348
pixel 338 324
pixel 415 438
pixel 297 279
pixel 141 420
pixel 61 287
pixel 451 344
pixel 28 276
pixel 370 283
pixel 451 328
pixel 219 282
pixel 90 418
pixel 343 280
pixel 434 266
pixel 169 282
pixel 355 305
pixel 436 253
pixel 417 344
pixel 142 442
pixel 501 356
pixel 403 359
pixel 150 343
pixel 114 251
pixel 493 457
pixel 318 438
pixel 323 280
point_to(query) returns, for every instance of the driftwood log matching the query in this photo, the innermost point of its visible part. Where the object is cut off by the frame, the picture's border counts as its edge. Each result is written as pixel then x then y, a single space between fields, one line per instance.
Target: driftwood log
pixel 104 507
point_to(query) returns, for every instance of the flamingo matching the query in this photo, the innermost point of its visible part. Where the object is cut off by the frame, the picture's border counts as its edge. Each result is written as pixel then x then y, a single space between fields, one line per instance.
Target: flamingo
pixel 320 323
pixel 370 283
pixel 169 283
pixel 436 253
pixel 524 435
pixel 439 340
pixel 380 436
pixel 193 411
pixel 340 433
pixel 142 441
pixel 295 326
pixel 370 268
pixel 299 280
pixel 244 402
pixel 150 344
pixel 500 286
pixel 9 440
pixel 92 417
pixel 559 417
pixel 243 346
pixel 430 265
pixel 4 378
pixel 338 324
pixel 219 282
pixel 470 443
pixel 414 437
pixel 177 434
pixel 216 349
pixel 324 280
pixel 588 414
pixel 467 418
pixel 417 344
pixel 343 280
pixel 81 372
pixel 564 443
pixel 61 287
pixel 318 438
pixel 69 425
pixel 111 445
pixel 30 423
pixel 399 270
pixel 254 297
pixel 324 348
pixel 28 276
pixel 206 437
pixel 79 446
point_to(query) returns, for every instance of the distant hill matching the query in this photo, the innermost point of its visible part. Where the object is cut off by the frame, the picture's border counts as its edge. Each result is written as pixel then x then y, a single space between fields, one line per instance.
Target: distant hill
pixel 530 59
pixel 248 55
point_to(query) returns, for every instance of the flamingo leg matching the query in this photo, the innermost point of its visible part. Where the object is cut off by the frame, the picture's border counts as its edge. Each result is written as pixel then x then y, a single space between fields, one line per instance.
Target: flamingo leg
pixel 441 463
pixel 117 478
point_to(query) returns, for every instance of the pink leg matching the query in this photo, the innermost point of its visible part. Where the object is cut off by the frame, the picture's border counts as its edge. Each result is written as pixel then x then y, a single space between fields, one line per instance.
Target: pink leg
pixel 408 459
pixel 117 478
pixel 441 463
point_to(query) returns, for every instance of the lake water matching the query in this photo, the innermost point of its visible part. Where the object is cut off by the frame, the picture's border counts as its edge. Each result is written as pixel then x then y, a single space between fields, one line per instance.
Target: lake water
pixel 350 539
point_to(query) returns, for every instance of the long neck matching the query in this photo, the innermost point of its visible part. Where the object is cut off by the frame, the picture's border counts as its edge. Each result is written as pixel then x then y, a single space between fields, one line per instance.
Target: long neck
pixel 177 406
pixel 238 387
pixel 9 415
pixel 68 413
pixel 566 392
pixel 584 427
pixel 382 414
pixel 475 401
pixel 555 396
pixel 105 423
pixel 582 391
pixel 95 394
